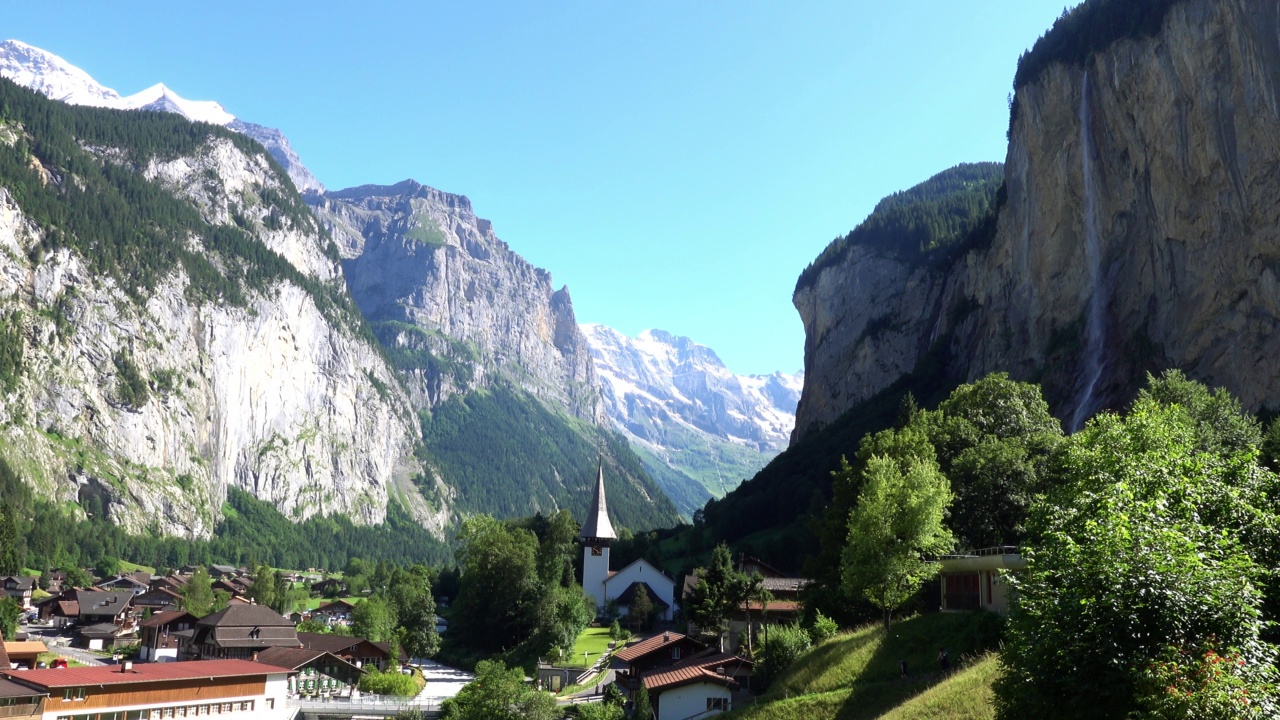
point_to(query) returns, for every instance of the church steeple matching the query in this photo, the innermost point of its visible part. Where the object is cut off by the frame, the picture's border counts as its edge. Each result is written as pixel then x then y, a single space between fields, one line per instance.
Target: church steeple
pixel 597 527
pixel 597 533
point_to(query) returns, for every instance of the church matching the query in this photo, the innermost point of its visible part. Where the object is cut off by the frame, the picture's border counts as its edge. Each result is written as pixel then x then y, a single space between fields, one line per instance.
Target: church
pixel 605 585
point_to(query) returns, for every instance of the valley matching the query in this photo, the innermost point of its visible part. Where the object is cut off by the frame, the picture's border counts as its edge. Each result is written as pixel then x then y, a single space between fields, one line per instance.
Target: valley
pixel 1030 466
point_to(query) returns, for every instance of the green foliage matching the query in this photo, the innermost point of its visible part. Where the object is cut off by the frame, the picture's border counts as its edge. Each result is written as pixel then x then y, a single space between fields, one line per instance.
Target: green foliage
pixel 785 644
pixel 643 709
pixel 894 530
pixel 1088 29
pixel 107 567
pixel 131 389
pixel 409 595
pixel 994 439
pixel 428 233
pixel 388 683
pixel 1205 684
pixel 1222 425
pixel 719 590
pixel 197 593
pixel 11 351
pixel 823 628
pixel 132 230
pixel 499 693
pixel 1155 537
pixel 10 610
pixel 497 601
pixel 615 631
pixel 600 711
pixel 12 550
pixel 505 447
pixel 950 211
pixel 373 619
pixel 640 609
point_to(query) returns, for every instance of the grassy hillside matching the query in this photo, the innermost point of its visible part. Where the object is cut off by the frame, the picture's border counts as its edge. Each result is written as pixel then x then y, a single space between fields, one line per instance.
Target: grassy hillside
pixel 855 676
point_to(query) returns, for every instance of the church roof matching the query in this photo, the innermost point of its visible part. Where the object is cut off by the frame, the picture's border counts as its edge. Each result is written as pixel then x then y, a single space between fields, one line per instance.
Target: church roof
pixel 597 524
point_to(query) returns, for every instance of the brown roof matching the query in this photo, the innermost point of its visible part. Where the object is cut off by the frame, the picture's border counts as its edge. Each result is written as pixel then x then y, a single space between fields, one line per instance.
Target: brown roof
pixel 69 608
pixel 677 676
pixel 700 667
pixel 338 605
pixel 639 649
pixel 4 658
pixel 246 616
pixel 328 642
pixel 24 647
pixel 295 658
pixel 146 672
pixel 168 616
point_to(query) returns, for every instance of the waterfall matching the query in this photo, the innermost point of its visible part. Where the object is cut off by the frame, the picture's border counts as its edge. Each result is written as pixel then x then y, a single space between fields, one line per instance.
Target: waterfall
pixel 1095 323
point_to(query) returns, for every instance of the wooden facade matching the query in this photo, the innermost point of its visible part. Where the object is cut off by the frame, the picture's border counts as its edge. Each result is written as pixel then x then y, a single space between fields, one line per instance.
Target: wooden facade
pixel 204 690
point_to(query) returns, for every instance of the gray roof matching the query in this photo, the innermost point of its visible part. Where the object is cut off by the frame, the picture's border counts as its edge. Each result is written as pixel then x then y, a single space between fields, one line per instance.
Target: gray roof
pixel 11 689
pixel 597 525
pixel 93 602
pixel 21 582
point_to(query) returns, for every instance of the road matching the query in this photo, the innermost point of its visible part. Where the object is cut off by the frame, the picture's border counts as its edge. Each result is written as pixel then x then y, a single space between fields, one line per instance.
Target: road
pixel 60 644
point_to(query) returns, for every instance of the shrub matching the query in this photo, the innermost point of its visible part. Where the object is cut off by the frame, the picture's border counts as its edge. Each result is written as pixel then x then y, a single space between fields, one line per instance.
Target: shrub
pixel 823 628
pixel 786 643
pixel 388 683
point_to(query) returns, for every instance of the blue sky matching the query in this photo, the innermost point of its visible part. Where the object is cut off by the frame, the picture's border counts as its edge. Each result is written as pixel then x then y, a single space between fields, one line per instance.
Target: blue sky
pixel 677 164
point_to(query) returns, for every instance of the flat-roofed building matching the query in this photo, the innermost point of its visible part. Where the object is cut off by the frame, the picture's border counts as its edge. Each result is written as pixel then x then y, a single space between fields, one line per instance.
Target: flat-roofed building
pixel 225 688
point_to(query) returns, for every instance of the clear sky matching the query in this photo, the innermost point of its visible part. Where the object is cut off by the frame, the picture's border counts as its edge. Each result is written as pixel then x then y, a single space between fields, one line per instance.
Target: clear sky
pixel 676 164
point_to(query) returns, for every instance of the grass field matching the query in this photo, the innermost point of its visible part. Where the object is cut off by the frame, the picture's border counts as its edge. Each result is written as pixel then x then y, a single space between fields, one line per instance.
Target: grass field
pixel 592 641
pixel 128 567
pixel 856 676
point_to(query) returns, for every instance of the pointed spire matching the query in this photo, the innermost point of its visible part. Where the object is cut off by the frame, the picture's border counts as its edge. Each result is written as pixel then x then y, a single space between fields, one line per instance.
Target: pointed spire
pixel 597 524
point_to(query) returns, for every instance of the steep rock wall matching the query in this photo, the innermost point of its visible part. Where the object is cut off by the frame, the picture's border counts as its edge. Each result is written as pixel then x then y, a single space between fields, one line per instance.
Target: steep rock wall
pixel 274 397
pixel 1169 147
pixel 421 257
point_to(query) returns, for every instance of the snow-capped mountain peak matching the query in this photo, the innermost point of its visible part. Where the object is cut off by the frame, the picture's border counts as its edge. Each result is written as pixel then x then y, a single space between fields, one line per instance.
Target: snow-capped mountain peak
pixel 56 78
pixel 677 402
pixel 159 97
pixel 52 76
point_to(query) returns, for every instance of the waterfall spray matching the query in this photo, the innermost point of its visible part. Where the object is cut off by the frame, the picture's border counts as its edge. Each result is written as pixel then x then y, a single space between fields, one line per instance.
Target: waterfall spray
pixel 1094 326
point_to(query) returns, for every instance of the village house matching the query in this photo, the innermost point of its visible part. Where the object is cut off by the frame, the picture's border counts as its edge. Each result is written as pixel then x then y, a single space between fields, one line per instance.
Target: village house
pixel 164 634
pixel 19 588
pixel 707 684
pixel 331 587
pixel 336 612
pixel 606 586
pixel 136 583
pixel 978 580
pixel 237 632
pixel 318 673
pixel 358 651
pixel 229 688
pixel 157 600
pixel 648 654
pixel 94 607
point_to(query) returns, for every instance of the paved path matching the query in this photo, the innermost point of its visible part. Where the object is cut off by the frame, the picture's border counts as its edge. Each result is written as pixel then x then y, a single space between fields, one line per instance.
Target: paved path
pixel 60 644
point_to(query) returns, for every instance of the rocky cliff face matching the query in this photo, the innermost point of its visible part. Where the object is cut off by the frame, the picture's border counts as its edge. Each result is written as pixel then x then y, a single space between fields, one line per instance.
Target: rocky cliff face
pixel 433 277
pixel 1140 232
pixel 279 396
pixel 699 427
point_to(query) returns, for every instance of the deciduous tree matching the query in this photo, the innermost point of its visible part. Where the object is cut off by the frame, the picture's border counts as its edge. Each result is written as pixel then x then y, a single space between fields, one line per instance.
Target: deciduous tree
pixel 894 530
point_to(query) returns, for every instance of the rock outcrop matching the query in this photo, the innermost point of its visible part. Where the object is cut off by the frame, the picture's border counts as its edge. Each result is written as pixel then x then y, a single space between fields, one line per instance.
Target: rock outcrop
pixel 1140 232
pixel 432 276
pixel 278 396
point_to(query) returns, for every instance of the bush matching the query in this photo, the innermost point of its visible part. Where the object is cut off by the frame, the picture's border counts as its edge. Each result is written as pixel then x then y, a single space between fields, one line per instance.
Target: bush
pixel 786 643
pixel 823 628
pixel 388 683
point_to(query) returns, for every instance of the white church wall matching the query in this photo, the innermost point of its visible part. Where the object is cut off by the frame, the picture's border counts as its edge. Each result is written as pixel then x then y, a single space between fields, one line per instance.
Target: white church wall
pixel 642 571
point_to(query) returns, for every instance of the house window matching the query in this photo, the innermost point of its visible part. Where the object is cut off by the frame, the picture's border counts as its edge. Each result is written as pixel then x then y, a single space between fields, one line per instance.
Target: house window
pixel 717 703
pixel 675 653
